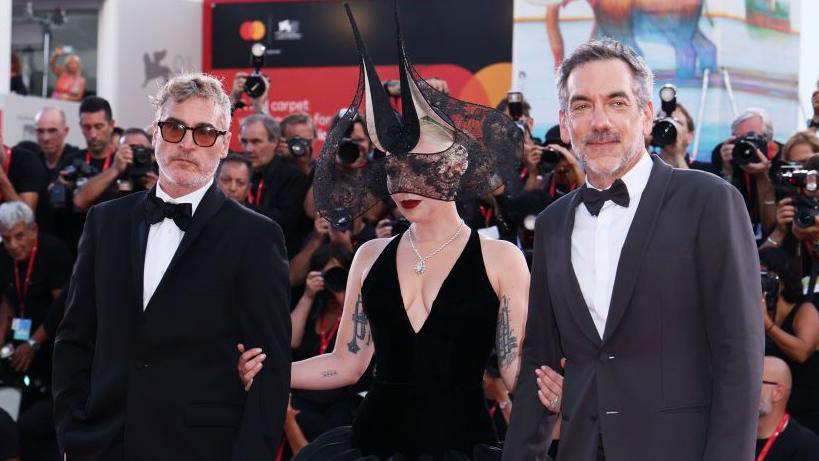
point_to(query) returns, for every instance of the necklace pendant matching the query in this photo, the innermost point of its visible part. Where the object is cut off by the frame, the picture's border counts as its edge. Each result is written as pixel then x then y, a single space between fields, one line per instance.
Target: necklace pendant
pixel 420 267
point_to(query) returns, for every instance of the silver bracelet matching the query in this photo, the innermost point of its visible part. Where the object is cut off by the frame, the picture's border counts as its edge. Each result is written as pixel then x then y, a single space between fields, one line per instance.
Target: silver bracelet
pixel 773 242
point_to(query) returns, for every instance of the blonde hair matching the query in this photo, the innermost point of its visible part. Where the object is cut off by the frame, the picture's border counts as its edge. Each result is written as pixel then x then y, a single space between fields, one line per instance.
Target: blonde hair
pixel 205 86
pixel 800 137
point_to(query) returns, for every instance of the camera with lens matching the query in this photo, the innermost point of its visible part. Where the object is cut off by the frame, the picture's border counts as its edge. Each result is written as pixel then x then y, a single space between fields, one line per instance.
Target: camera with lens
pixel 335 279
pixel 348 151
pixel 792 177
pixel 143 162
pixel 299 146
pixel 806 211
pixel 770 289
pixel 399 225
pixel 549 157
pixel 255 84
pixel 664 130
pixel 77 174
pixel 745 148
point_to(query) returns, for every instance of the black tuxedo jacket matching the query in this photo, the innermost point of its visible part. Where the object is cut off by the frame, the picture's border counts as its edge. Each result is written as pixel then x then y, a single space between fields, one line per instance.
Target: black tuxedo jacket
pixel 678 371
pixel 162 384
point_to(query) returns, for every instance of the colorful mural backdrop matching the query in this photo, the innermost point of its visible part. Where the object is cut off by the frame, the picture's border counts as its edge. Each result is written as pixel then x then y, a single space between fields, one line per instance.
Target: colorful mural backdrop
pixel 747 46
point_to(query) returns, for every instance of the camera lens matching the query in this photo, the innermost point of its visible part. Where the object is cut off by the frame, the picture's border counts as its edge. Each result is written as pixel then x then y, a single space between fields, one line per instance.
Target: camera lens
pixel 348 151
pixel 255 86
pixel 298 146
pixel 663 133
pixel 743 153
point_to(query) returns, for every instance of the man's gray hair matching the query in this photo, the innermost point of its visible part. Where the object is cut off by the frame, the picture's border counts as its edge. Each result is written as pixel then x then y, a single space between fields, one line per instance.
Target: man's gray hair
pixel 750 113
pixel 599 50
pixel 270 125
pixel 14 213
pixel 297 118
pixel 182 87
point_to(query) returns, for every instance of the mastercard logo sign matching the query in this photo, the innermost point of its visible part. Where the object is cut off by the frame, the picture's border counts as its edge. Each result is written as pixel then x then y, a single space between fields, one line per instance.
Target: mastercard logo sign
pixel 252 30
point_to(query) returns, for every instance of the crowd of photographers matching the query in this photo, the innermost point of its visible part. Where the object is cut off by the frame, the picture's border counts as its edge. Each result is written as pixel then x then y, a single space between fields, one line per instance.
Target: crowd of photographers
pixel 47 187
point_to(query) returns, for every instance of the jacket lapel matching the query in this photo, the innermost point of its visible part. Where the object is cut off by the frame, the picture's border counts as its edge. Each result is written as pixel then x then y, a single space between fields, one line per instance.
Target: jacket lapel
pixel 139 239
pixel 636 244
pixel 573 296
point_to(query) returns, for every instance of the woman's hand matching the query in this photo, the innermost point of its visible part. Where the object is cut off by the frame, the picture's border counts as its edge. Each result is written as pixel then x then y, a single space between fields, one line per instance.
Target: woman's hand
pixel 250 364
pixel 550 387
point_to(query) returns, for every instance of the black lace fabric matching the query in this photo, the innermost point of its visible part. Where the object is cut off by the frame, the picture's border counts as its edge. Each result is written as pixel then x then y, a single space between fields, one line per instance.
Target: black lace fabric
pixel 484 156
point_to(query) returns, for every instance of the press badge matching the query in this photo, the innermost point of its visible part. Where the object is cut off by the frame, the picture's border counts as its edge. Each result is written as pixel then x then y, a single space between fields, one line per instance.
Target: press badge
pixel 22 329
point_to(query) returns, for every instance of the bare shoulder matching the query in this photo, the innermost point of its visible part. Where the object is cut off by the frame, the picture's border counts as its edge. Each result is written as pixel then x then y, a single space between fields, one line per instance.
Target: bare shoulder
pixel 500 251
pixel 503 261
pixel 367 254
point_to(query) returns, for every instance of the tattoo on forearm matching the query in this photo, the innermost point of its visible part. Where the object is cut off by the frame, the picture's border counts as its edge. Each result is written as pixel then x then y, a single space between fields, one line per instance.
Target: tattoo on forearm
pixel 506 341
pixel 328 373
pixel 361 328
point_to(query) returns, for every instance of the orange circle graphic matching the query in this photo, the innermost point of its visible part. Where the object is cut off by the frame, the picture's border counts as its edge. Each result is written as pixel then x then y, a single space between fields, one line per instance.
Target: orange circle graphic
pixel 257 31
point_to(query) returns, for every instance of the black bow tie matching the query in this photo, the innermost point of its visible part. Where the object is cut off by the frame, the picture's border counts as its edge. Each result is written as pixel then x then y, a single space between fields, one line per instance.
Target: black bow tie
pixel 157 209
pixel 594 199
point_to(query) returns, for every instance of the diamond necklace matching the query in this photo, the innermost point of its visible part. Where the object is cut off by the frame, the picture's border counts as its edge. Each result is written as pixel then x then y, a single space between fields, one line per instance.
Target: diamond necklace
pixel 421 266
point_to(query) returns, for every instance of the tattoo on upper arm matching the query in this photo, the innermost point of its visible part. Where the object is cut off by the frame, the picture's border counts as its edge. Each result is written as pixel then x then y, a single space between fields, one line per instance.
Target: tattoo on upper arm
pixel 506 341
pixel 361 328
pixel 328 373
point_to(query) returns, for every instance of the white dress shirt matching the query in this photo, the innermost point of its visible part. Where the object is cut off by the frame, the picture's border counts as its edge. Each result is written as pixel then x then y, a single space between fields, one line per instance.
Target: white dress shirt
pixel 163 240
pixel 598 240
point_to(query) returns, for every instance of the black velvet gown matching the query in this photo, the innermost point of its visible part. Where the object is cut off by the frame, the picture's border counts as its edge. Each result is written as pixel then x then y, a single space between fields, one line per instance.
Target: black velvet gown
pixel 427 400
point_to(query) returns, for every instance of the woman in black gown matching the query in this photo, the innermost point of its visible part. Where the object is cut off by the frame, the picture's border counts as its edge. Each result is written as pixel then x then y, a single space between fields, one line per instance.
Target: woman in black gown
pixel 429 304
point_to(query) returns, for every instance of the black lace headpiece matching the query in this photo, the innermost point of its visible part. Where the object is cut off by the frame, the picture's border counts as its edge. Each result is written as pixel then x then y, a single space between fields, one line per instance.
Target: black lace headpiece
pixel 438 146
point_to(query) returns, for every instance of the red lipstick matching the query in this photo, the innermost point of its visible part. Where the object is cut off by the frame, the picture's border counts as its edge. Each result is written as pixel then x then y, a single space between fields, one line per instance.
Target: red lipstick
pixel 410 204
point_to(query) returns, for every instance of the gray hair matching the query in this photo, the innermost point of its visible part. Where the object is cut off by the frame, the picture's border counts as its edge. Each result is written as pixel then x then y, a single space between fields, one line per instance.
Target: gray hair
pixel 48 109
pixel 14 213
pixel 600 50
pixel 270 125
pixel 297 118
pixel 753 112
pixel 182 87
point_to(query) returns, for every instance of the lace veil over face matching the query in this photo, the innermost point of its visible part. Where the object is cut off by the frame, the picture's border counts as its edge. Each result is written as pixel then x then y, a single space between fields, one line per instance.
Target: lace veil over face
pixel 437 146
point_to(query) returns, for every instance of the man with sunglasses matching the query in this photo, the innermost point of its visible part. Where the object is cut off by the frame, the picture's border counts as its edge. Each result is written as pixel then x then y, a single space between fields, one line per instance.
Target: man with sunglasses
pixel 779 436
pixel 166 283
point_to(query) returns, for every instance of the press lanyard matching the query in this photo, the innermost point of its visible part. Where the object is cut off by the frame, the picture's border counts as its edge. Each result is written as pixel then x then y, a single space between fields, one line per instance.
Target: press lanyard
pixel 256 200
pixel 22 290
pixel 782 424
pixel 104 165
pixel 327 334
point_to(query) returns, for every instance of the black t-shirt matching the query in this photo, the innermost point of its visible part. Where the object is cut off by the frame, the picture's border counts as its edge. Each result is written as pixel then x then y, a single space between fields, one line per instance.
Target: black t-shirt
pixel 51 219
pixel 76 219
pixel 25 171
pixel 795 443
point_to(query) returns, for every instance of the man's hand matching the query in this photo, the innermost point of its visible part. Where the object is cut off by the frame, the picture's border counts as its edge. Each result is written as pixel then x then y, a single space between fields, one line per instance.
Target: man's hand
pixel 439 85
pixel 784 214
pixel 123 157
pixel 321 228
pixel 725 154
pixel 343 239
pixel 807 234
pixel 760 167
pixel 531 157
pixel 23 355
pixel 239 87
pixel 571 160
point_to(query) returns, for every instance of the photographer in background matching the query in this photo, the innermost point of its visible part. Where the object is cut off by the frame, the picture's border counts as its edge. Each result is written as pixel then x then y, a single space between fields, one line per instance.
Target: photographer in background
pixel 238 95
pixel 745 159
pixel 56 154
pixel 35 268
pixel 132 170
pixel 21 173
pixel 792 330
pixel 780 436
pixel 677 154
pixel 233 177
pixel 298 141
pixel 800 147
pixel 813 123
pixel 277 187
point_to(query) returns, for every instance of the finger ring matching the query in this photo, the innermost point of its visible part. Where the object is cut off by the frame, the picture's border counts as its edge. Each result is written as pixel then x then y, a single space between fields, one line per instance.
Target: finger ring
pixel 553 404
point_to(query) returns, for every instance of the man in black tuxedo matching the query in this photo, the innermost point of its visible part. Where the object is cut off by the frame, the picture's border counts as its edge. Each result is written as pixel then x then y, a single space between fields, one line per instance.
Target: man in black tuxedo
pixel 647 281
pixel 166 283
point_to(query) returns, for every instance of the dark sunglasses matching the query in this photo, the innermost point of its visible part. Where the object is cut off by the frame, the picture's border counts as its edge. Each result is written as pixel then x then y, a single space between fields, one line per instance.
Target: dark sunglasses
pixel 203 135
